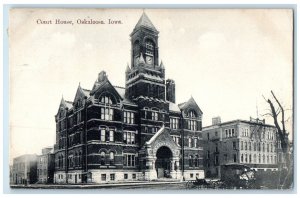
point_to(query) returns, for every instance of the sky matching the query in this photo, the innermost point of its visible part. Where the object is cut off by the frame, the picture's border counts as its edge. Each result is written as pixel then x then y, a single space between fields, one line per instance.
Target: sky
pixel 226 59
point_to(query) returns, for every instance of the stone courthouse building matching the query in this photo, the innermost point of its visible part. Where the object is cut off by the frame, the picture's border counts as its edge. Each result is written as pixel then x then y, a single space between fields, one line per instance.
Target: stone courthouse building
pixel 112 133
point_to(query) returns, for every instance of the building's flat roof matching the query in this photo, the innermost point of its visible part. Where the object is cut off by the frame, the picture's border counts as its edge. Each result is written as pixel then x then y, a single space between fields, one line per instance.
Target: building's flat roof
pixel 236 121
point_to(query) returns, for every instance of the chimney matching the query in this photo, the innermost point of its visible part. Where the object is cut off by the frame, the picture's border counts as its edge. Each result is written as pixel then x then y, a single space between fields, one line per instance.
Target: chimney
pixel 216 120
pixel 170 86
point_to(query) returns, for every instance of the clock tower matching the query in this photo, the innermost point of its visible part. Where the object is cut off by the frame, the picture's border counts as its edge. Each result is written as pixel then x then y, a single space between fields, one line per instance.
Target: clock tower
pixel 145 76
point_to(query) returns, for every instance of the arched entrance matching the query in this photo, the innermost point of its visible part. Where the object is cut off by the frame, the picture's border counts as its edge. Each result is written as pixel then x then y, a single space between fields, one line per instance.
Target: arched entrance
pixel 163 162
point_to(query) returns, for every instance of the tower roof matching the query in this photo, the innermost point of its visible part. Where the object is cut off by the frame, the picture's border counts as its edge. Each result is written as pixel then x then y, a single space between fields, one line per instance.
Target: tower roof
pixel 144 21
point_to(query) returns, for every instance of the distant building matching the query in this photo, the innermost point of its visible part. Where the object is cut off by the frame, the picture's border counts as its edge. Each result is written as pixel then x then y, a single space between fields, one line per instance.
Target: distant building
pixel 252 143
pixel 45 166
pixel 111 133
pixel 24 169
pixel 11 174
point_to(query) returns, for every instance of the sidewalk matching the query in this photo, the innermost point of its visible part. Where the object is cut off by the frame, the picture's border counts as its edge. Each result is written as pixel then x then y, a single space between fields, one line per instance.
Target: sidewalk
pixel 91 186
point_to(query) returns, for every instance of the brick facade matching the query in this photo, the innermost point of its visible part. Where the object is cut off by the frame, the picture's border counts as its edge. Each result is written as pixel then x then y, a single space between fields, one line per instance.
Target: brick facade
pixel 111 133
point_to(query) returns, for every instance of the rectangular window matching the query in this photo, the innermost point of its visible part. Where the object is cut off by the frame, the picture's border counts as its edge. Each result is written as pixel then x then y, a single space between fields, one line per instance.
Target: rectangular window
pixel 134 176
pixel 102 135
pixel 190 142
pixel 103 177
pixel 106 113
pixel 129 137
pixel 195 142
pixel 129 160
pixel 112 177
pixel 225 157
pixel 125 117
pixel 128 117
pixel 191 175
pixel 234 157
pixel 125 176
pixel 132 118
pixel 234 145
pixel 154 116
pixel 111 136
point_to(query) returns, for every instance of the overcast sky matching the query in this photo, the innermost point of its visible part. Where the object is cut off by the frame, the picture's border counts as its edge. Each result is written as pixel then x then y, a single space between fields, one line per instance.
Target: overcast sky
pixel 225 59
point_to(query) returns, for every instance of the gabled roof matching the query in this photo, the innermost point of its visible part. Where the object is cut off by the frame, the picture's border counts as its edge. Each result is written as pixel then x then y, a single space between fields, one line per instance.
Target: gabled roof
pixel 103 82
pixel 190 103
pixel 145 22
pixel 81 93
pixel 69 104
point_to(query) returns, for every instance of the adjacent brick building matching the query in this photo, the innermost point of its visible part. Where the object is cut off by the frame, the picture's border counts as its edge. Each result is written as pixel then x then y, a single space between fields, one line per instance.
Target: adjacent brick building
pixel 253 143
pixel 112 133
pixel 45 166
pixel 24 169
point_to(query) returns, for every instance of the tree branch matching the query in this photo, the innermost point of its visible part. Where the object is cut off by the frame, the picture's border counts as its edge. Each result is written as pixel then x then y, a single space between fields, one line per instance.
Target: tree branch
pixel 282 111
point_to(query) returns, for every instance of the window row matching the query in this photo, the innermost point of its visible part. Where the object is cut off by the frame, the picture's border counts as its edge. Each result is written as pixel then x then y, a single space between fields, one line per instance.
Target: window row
pixel 245 132
pixel 107 135
pixel 128 117
pixel 257 146
pixel 73 119
pixel 75 160
pixel 192 125
pixel 153 115
pixel 264 159
pixel 129 137
pixel 151 129
pixel 176 139
pixel 193 142
pixel 105 160
pixel 194 161
pixel 174 123
pixel 129 160
pixel 229 133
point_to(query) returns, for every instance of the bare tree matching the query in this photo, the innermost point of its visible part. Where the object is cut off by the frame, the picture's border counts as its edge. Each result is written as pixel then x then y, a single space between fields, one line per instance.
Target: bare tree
pixel 282 133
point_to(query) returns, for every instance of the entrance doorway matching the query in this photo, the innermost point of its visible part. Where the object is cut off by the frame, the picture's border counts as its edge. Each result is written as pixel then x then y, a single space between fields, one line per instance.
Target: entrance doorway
pixel 163 162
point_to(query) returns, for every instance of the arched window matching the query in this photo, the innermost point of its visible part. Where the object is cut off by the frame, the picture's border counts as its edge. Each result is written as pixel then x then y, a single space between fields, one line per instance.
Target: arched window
pixel 264 159
pixel 136 48
pixel 112 158
pixel 102 158
pixel 149 47
pixel 242 158
pixel 254 158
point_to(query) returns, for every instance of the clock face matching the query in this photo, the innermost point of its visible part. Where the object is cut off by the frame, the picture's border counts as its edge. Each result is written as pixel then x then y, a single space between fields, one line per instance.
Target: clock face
pixel 149 59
